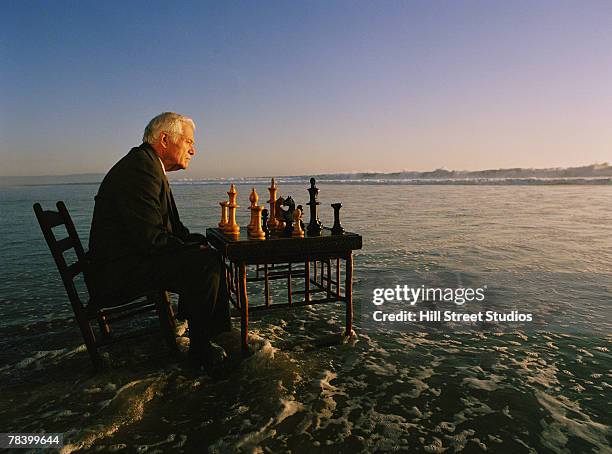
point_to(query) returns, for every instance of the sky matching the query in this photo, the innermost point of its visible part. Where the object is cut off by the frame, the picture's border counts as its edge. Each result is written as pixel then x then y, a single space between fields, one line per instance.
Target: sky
pixel 298 88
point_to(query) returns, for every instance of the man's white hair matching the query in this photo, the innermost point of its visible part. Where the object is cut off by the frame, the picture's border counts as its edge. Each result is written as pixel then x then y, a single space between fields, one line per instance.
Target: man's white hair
pixel 169 122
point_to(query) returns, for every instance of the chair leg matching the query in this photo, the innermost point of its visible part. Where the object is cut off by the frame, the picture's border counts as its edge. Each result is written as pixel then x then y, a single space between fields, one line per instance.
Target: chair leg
pixel 167 320
pixel 90 340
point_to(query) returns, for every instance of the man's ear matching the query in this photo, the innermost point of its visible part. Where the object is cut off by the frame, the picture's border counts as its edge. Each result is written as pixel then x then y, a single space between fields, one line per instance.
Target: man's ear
pixel 164 139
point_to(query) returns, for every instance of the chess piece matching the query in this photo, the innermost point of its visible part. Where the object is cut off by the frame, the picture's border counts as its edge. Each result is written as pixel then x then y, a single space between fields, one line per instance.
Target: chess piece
pixel 301 214
pixel 279 214
pixel 273 222
pixel 232 226
pixel 257 232
pixel 337 228
pixel 297 224
pixel 254 228
pixel 314 226
pixel 285 216
pixel 223 222
pixel 264 222
pixel 253 198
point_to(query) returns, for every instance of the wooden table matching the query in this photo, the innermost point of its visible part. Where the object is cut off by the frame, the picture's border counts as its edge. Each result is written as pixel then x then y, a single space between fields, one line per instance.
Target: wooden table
pixel 280 252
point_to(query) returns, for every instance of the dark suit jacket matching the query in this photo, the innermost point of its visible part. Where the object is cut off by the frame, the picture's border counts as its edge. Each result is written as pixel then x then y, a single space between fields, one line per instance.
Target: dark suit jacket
pixel 135 218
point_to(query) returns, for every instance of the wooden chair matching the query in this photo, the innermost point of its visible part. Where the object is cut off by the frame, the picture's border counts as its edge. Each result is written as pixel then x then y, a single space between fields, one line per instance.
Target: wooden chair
pixel 103 311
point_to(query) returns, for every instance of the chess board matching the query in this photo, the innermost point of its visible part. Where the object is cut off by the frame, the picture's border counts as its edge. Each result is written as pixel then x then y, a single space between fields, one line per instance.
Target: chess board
pixel 281 249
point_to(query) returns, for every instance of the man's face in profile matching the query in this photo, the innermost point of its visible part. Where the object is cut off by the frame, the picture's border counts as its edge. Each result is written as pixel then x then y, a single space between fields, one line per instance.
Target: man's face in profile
pixel 180 149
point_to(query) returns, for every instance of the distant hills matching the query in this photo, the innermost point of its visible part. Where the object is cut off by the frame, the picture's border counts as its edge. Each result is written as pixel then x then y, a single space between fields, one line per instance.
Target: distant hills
pixel 591 174
pixel 590 171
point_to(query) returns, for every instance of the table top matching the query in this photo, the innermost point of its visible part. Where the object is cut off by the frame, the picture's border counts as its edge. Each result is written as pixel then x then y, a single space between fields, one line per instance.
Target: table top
pixel 280 249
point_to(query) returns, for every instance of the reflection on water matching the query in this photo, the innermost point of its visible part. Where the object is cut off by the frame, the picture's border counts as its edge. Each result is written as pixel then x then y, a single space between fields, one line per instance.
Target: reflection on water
pixel 542 387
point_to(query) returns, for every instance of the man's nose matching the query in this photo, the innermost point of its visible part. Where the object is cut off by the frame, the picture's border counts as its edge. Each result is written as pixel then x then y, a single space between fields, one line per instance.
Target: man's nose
pixel 192 150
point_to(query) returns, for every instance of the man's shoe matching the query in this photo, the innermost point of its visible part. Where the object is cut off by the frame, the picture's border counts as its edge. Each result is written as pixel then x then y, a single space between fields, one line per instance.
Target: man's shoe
pixel 215 354
pixel 210 356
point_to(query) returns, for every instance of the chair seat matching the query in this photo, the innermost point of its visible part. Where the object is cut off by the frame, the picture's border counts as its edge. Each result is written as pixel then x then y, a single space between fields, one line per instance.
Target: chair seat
pixel 96 306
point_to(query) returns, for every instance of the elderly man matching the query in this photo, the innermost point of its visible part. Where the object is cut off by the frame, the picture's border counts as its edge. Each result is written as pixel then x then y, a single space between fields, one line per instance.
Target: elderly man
pixel 138 242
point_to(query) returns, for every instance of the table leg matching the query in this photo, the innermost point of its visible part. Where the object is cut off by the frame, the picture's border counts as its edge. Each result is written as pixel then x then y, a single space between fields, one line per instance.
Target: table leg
pixel 322 267
pixel 348 290
pixel 289 290
pixel 236 280
pixel 244 308
pixel 266 285
pixel 337 277
pixel 307 281
pixel 328 263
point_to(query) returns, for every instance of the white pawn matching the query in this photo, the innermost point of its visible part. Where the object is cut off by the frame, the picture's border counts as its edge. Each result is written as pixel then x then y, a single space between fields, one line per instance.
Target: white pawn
pixel 224 221
pixel 253 198
pixel 297 224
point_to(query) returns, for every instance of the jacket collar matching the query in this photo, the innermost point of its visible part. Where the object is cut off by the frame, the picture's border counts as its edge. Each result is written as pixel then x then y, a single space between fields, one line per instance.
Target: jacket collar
pixel 149 149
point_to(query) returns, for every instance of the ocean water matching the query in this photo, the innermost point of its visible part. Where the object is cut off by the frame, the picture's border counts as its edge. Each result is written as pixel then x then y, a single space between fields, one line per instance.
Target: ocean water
pixel 539 386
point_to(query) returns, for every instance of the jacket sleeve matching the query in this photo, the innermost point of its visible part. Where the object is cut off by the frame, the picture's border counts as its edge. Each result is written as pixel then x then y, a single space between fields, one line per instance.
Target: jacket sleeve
pixel 188 237
pixel 179 229
pixel 184 231
pixel 139 207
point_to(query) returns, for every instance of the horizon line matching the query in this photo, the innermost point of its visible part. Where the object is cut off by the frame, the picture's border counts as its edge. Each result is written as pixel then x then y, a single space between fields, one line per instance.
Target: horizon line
pixel 352 172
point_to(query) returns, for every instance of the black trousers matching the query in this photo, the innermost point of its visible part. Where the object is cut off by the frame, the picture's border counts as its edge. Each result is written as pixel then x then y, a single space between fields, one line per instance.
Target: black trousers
pixel 197 275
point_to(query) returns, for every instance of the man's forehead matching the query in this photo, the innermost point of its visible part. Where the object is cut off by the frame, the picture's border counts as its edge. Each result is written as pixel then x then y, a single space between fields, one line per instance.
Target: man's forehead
pixel 188 129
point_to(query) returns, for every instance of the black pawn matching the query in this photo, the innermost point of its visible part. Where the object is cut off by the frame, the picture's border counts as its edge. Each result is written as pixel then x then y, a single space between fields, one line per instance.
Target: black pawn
pixel 264 222
pixel 337 228
pixel 314 226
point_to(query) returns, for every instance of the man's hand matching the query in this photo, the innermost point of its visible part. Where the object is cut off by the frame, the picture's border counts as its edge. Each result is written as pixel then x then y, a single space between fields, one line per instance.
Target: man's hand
pixel 196 238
